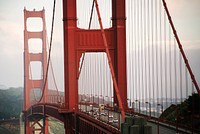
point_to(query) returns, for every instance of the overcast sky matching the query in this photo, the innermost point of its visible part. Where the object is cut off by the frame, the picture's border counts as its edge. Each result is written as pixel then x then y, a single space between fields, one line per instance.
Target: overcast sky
pixel 185 14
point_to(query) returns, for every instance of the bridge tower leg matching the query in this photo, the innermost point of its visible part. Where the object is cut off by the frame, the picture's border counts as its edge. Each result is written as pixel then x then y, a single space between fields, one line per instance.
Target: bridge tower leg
pixel 119 25
pixel 77 41
pixel 30 84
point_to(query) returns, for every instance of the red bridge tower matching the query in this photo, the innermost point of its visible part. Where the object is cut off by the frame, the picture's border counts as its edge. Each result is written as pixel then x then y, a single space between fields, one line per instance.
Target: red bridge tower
pixel 77 41
pixel 29 83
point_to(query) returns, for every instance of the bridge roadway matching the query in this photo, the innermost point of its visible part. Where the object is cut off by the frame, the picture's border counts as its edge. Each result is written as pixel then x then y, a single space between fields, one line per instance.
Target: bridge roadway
pixel 106 115
pixel 114 118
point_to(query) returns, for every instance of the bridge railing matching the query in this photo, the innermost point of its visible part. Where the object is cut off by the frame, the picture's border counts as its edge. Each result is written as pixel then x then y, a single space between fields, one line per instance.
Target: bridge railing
pixel 56 99
pixel 51 99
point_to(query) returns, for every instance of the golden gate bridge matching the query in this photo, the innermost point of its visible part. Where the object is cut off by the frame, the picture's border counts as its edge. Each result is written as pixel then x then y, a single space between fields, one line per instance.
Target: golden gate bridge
pixel 122 72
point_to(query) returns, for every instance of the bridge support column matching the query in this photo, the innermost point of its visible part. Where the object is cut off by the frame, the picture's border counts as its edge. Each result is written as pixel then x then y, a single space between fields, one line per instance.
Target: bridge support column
pixel 119 24
pixel 27 129
pixel 46 125
pixel 68 124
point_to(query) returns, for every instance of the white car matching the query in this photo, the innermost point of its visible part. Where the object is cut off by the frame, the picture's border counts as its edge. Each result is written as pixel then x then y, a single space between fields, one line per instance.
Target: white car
pixel 111 116
pixel 110 121
pixel 115 120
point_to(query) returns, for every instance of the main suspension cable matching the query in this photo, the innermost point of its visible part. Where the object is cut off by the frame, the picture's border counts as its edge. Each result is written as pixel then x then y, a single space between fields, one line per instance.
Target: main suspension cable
pixel 48 62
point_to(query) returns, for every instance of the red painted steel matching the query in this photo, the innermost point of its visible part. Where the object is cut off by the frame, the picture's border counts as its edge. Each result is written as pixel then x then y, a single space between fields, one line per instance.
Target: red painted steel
pixel 29 83
pixel 75 44
pixel 50 110
pixel 119 24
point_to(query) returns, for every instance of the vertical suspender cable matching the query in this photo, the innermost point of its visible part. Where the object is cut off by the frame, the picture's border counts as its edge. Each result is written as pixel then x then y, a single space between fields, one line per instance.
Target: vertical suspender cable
pixel 131 38
pixel 100 82
pixel 165 59
pixel 170 68
pixel 175 73
pixel 103 76
pixel 186 81
pixel 156 48
pixel 94 87
pixel 181 95
pixel 90 76
pixel 145 50
pixel 152 36
pixel 143 42
pixel 136 50
pixel 129 56
pixel 148 46
pixel 161 62
pixel 133 42
pixel 106 78
pixel 139 49
pixel 141 53
pixel 97 76
pixel 193 107
pixel 87 77
pixel 110 93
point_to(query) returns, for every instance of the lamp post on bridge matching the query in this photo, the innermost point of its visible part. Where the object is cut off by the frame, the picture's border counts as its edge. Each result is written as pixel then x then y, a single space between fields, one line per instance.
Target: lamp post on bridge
pixel 85 101
pixel 133 106
pixel 100 99
pixel 88 95
pixel 159 117
pixel 129 102
pixel 138 103
pixel 161 107
pixel 107 101
pixel 112 101
pixel 149 108
pixel 97 98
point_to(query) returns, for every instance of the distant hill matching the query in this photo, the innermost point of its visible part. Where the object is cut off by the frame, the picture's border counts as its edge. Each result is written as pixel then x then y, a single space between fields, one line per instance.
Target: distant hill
pixel 3 87
pixel 11 103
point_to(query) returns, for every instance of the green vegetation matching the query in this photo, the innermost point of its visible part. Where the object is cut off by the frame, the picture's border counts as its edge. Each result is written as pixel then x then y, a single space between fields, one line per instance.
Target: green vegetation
pixel 11 102
pixel 187 113
pixel 4 130
pixel 11 105
pixel 56 127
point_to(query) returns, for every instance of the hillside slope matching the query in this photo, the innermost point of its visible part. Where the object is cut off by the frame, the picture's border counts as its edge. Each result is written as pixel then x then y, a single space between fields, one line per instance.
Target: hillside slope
pixel 187 113
pixel 11 102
